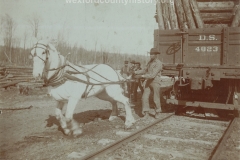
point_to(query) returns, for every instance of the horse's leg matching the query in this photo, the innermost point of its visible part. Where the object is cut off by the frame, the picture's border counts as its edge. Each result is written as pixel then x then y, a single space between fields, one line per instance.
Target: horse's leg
pixel 114 114
pixel 74 126
pixel 61 118
pixel 104 96
pixel 116 92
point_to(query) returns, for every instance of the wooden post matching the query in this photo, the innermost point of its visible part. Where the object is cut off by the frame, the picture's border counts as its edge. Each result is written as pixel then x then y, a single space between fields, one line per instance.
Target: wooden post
pixel 166 16
pixel 236 18
pixel 196 14
pixel 188 13
pixel 159 15
pixel 173 16
pixel 180 15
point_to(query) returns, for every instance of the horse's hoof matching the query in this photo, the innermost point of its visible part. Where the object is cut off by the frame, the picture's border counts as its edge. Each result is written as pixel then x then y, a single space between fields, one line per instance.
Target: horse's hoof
pixel 67 131
pixel 112 118
pixel 128 126
pixel 77 132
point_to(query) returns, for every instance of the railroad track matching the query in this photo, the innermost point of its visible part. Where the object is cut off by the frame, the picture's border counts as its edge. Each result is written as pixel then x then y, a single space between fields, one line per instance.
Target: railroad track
pixel 172 137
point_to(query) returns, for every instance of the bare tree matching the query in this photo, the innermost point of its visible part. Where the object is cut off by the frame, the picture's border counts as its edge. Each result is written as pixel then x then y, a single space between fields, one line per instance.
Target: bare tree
pixel 16 54
pixel 34 22
pixel 25 36
pixel 8 28
pixel 1 25
pixel 95 55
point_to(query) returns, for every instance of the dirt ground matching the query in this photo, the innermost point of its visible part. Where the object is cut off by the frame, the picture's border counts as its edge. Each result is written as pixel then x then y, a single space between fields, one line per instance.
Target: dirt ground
pixel 34 133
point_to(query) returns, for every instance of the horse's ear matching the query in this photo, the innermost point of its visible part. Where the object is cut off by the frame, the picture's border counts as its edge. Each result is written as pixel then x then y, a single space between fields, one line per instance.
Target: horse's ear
pixel 51 47
pixel 34 40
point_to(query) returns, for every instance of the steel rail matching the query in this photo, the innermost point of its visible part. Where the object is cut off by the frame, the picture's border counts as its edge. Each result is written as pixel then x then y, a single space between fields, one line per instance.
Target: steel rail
pixel 123 141
pixel 219 147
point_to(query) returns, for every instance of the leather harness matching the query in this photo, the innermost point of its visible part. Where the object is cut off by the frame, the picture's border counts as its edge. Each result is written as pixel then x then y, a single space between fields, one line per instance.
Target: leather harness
pixel 62 75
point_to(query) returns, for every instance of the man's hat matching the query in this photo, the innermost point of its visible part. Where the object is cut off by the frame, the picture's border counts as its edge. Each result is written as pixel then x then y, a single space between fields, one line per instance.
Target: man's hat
pixel 133 62
pixel 126 62
pixel 137 63
pixel 154 51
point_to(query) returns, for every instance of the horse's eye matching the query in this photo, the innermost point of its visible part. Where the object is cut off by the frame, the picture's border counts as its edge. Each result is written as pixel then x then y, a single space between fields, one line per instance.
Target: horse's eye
pixel 43 52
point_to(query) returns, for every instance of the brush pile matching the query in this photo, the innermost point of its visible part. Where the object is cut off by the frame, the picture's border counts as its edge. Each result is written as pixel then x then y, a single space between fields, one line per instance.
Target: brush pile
pixel 14 75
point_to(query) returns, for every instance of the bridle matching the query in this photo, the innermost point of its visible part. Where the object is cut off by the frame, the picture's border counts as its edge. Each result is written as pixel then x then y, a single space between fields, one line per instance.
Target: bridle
pixel 58 71
pixel 45 47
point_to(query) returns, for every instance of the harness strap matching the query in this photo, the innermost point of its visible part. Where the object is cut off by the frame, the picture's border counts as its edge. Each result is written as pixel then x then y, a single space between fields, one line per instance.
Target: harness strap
pixel 73 78
pixel 85 93
pixel 57 77
pixel 88 70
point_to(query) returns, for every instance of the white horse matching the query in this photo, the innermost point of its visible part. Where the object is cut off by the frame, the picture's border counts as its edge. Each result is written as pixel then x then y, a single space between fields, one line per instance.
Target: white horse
pixel 68 83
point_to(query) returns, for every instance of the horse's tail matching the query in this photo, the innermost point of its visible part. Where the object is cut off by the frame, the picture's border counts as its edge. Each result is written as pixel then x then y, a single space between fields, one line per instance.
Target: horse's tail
pixel 123 80
pixel 120 77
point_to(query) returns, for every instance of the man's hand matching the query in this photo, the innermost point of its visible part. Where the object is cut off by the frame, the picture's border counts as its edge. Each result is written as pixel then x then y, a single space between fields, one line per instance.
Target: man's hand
pixel 129 77
pixel 138 76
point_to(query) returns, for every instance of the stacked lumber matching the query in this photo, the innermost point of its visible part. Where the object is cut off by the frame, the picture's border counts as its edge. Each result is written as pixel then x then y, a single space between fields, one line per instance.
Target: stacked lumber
pixel 12 75
pixel 190 14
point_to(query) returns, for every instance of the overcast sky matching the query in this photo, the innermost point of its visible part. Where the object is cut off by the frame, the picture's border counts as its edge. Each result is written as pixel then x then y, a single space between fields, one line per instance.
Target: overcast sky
pixel 127 28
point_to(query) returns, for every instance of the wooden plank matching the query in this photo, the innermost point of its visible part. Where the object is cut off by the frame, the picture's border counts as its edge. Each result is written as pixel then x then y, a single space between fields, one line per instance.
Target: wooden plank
pixel 204 104
pixel 219 148
pixel 19 67
pixel 174 154
pixel 217 18
pixel 216 6
pixel 225 46
pixel 177 140
pixel 215 25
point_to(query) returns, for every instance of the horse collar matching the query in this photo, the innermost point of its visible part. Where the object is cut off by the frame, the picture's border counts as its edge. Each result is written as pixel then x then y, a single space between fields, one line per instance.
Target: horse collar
pixel 57 78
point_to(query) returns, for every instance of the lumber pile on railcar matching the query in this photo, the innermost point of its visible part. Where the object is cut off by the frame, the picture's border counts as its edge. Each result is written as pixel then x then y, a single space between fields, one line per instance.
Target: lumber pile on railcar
pixel 191 14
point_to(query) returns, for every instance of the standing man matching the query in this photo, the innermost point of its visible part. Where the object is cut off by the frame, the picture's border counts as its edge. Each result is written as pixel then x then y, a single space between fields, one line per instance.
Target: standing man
pixel 152 75
pixel 125 73
pixel 137 82
pixel 131 83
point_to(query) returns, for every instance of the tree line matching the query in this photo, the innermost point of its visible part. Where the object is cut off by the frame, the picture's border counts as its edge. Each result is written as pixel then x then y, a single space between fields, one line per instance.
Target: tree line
pixel 13 53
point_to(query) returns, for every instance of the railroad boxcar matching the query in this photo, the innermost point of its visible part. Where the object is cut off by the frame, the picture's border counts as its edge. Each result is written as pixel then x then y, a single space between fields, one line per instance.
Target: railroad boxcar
pixel 206 57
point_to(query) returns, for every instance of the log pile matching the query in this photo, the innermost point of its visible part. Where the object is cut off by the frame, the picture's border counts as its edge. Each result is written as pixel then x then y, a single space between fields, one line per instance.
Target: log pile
pixel 190 14
pixel 12 75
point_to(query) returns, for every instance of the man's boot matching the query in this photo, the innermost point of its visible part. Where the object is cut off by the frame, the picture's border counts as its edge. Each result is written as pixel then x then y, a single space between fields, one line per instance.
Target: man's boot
pixel 158 115
pixel 146 115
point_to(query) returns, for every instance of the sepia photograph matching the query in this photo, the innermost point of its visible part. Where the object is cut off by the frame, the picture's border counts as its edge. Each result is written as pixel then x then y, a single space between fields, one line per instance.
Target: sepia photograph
pixel 119 79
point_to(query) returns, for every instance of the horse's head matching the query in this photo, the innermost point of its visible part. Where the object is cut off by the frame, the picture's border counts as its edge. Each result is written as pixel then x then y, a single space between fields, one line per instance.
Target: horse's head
pixel 41 55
